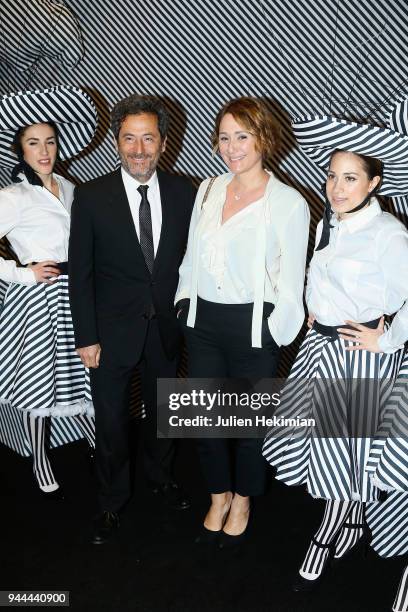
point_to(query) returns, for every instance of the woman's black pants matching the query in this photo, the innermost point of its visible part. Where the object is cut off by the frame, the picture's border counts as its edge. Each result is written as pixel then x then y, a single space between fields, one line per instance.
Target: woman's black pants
pixel 219 346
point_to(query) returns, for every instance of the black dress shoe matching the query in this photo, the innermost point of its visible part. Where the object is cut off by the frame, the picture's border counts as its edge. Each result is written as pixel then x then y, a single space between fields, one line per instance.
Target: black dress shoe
pixel 172 495
pixel 104 526
pixel 227 541
pixel 302 585
pixel 52 496
pixel 206 536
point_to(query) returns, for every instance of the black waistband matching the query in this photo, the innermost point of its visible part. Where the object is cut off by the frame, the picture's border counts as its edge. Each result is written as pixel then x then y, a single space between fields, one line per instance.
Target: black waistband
pixel 331 330
pixel 234 308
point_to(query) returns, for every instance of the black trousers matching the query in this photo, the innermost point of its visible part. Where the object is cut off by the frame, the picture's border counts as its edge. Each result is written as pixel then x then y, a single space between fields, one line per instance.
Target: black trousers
pixel 219 346
pixel 111 385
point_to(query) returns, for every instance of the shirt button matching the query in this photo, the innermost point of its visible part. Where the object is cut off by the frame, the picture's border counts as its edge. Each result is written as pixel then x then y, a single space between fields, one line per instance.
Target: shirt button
pixel 218 287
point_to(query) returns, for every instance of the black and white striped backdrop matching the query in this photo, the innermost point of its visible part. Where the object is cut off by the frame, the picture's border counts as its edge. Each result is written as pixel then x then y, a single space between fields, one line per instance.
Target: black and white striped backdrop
pixel 345 57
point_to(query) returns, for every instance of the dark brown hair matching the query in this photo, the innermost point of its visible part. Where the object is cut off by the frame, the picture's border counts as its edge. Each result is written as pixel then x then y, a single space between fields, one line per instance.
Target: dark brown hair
pixel 22 165
pixel 16 145
pixel 254 115
pixel 372 166
pixel 138 105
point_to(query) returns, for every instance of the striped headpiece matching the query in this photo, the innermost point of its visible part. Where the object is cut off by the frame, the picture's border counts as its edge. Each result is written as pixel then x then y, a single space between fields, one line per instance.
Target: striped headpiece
pixel 319 136
pixel 70 108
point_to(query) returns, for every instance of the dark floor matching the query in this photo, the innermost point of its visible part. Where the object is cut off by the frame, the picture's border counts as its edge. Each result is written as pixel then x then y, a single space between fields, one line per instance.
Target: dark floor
pixel 152 564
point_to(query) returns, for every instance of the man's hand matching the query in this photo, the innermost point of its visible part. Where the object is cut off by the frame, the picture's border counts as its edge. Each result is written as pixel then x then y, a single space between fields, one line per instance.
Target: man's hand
pixel 90 355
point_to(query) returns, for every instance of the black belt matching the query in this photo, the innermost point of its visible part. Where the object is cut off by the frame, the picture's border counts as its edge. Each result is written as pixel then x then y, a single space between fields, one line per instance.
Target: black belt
pixel 331 330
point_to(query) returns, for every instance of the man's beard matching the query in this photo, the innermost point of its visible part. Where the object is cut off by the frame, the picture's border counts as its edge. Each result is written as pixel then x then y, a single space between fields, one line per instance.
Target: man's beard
pixel 146 173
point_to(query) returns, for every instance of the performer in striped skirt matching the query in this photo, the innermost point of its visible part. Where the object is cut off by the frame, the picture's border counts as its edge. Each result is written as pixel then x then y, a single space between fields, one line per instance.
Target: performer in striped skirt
pixel 349 358
pixel 40 372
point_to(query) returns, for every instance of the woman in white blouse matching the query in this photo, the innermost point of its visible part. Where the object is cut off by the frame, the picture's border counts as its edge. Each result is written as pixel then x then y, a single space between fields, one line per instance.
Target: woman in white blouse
pixel 358 274
pixel 240 293
pixel 40 373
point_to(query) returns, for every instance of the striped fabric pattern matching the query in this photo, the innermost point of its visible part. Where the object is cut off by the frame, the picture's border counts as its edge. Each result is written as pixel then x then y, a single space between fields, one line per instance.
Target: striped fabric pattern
pixel 388 522
pixel 59 431
pixel 388 467
pixel 187 53
pixel 70 108
pixel 3 291
pixel 320 136
pixel 55 33
pixel 401 599
pixel 398 120
pixel 331 466
pixel 388 462
pixel 11 430
pixel 40 370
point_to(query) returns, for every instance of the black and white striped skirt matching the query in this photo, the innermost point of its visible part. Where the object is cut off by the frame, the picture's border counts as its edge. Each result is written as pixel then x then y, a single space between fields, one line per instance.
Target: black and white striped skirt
pixel 388 522
pixel 343 392
pixel 39 368
pixel 388 467
pixel 388 463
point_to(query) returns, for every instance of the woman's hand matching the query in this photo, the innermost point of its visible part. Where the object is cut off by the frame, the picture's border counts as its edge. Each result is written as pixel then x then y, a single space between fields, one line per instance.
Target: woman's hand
pixel 45 271
pixel 310 320
pixel 366 339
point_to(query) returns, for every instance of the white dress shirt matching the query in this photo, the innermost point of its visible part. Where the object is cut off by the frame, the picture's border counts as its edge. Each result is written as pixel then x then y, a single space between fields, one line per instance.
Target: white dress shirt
pixel 362 274
pixel 134 199
pixel 258 255
pixel 36 224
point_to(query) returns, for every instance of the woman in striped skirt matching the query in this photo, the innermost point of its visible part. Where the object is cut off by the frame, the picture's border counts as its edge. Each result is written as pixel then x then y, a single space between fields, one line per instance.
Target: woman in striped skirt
pixel 342 374
pixel 40 372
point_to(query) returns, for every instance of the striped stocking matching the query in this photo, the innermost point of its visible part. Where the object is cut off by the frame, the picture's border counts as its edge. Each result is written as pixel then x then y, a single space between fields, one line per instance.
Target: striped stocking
pixel 335 514
pixel 34 427
pixel 351 531
pixel 87 426
pixel 401 599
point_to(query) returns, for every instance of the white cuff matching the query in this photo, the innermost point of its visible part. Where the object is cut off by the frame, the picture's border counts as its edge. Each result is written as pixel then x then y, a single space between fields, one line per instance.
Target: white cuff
pixel 385 345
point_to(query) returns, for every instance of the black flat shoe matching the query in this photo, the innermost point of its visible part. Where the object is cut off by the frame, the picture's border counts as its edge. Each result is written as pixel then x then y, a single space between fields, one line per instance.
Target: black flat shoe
pixel 172 495
pixel 209 536
pixel 206 536
pixel 303 585
pixel 227 541
pixel 105 525
pixel 230 542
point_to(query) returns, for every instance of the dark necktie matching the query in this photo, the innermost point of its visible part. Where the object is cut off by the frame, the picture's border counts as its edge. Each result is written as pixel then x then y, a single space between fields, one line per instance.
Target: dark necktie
pixel 145 226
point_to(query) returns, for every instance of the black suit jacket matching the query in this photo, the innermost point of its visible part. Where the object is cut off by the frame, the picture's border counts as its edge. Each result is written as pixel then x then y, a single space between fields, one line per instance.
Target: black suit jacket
pixel 111 289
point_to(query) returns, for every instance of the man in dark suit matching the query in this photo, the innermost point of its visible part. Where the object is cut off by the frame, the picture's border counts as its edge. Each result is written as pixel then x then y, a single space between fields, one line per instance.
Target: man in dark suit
pixel 128 234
